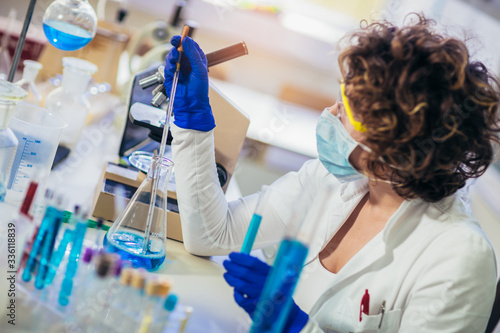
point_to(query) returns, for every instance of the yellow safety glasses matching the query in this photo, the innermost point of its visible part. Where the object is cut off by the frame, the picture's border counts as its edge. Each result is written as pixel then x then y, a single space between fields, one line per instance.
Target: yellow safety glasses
pixel 357 125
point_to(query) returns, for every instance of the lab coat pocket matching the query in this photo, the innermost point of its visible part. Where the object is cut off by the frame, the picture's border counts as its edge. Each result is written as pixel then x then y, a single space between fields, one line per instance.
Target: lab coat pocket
pixel 387 323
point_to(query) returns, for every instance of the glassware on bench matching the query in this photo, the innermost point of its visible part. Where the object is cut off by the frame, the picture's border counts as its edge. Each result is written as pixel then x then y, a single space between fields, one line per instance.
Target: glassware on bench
pixel 140 231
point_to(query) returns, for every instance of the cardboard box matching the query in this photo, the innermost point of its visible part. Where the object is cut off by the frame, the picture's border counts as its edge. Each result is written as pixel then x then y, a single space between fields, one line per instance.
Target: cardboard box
pixel 130 179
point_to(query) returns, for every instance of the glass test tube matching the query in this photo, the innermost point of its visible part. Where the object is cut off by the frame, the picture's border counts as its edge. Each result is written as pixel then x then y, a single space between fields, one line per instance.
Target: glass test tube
pixel 156 291
pixel 275 302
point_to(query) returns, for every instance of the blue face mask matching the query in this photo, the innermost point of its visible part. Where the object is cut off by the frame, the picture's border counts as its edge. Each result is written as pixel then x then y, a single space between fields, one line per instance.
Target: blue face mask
pixel 334 147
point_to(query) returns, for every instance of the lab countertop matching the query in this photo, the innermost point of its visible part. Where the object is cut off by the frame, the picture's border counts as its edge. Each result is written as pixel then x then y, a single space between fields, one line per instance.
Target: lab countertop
pixel 197 281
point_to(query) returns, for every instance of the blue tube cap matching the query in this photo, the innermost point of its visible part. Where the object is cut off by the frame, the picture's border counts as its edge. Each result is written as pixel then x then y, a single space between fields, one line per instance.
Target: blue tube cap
pixel 170 302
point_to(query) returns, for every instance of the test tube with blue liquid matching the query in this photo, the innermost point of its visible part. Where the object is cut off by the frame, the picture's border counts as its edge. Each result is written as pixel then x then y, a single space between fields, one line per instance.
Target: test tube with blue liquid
pixel 66 239
pixel 253 228
pixel 275 302
pixel 45 230
pixel 73 260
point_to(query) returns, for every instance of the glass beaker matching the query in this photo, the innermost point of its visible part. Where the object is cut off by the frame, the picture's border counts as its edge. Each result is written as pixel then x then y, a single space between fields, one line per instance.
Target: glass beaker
pixel 131 235
pixel 70 24
pixel 38 132
pixel 10 94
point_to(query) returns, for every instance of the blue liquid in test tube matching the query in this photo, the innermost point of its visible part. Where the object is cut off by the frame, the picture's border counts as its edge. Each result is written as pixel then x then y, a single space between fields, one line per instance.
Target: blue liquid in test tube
pixel 47 249
pixel 276 298
pixel 50 215
pixel 253 228
pixel 71 269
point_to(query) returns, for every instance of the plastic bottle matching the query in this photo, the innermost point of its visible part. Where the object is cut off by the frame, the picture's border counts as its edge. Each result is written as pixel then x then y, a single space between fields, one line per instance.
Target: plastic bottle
pixel 70 99
pixel 10 94
pixel 31 69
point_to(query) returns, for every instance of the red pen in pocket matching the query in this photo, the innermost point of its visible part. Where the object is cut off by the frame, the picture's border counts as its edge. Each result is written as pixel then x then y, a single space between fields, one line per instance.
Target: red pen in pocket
pixel 365 305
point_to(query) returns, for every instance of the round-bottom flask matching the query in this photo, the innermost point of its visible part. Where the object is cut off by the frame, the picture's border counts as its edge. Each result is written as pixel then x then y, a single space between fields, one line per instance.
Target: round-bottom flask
pixel 69 24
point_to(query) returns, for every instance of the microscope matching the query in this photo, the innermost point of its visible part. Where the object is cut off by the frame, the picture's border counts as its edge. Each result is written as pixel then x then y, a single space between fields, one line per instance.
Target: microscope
pixel 144 129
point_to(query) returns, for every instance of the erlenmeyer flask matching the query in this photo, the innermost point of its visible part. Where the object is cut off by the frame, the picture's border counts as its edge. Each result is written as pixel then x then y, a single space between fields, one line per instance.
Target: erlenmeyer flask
pixel 129 235
pixel 70 24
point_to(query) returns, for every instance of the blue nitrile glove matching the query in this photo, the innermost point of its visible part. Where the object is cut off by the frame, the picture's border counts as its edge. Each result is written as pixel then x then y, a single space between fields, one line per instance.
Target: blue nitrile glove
pixel 191 105
pixel 248 275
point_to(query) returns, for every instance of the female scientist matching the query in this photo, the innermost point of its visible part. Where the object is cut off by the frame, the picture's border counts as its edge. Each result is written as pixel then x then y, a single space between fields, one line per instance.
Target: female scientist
pixel 417 118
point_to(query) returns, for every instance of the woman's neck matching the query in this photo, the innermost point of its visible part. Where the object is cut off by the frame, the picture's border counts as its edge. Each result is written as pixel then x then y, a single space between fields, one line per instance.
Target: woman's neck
pixel 382 199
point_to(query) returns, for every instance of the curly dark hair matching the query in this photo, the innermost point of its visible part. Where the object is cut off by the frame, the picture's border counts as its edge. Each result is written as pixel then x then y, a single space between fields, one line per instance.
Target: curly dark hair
pixel 430 112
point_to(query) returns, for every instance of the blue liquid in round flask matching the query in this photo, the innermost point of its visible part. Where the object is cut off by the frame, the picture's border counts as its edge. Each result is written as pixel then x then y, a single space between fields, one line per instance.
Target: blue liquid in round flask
pixel 69 25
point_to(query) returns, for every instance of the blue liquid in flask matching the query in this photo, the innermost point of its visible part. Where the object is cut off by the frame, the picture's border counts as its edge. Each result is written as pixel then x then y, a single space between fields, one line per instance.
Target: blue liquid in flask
pixel 129 246
pixel 66 36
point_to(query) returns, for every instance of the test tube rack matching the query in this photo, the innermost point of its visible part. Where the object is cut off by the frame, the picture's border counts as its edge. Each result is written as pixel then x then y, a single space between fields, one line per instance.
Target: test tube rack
pixel 41 311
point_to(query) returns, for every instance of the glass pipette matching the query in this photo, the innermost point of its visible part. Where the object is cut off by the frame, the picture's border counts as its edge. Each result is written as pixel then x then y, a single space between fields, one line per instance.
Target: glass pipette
pixel 166 127
pixel 254 223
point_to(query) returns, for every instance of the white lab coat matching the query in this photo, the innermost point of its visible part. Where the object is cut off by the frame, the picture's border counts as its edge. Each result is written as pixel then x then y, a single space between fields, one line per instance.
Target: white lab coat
pixel 431 264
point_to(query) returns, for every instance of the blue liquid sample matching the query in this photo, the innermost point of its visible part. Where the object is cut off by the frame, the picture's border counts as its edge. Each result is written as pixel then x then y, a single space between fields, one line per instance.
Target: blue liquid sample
pixel 66 36
pixel 72 267
pixel 129 246
pixel 58 256
pixel 251 234
pixel 276 299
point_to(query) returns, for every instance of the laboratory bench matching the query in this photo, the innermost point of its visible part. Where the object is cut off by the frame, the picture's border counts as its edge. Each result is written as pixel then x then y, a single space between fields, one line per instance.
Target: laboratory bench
pixel 197 281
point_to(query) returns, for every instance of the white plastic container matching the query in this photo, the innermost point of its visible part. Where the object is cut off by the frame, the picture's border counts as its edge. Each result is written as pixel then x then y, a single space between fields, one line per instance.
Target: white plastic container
pixel 70 99
pixel 38 132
